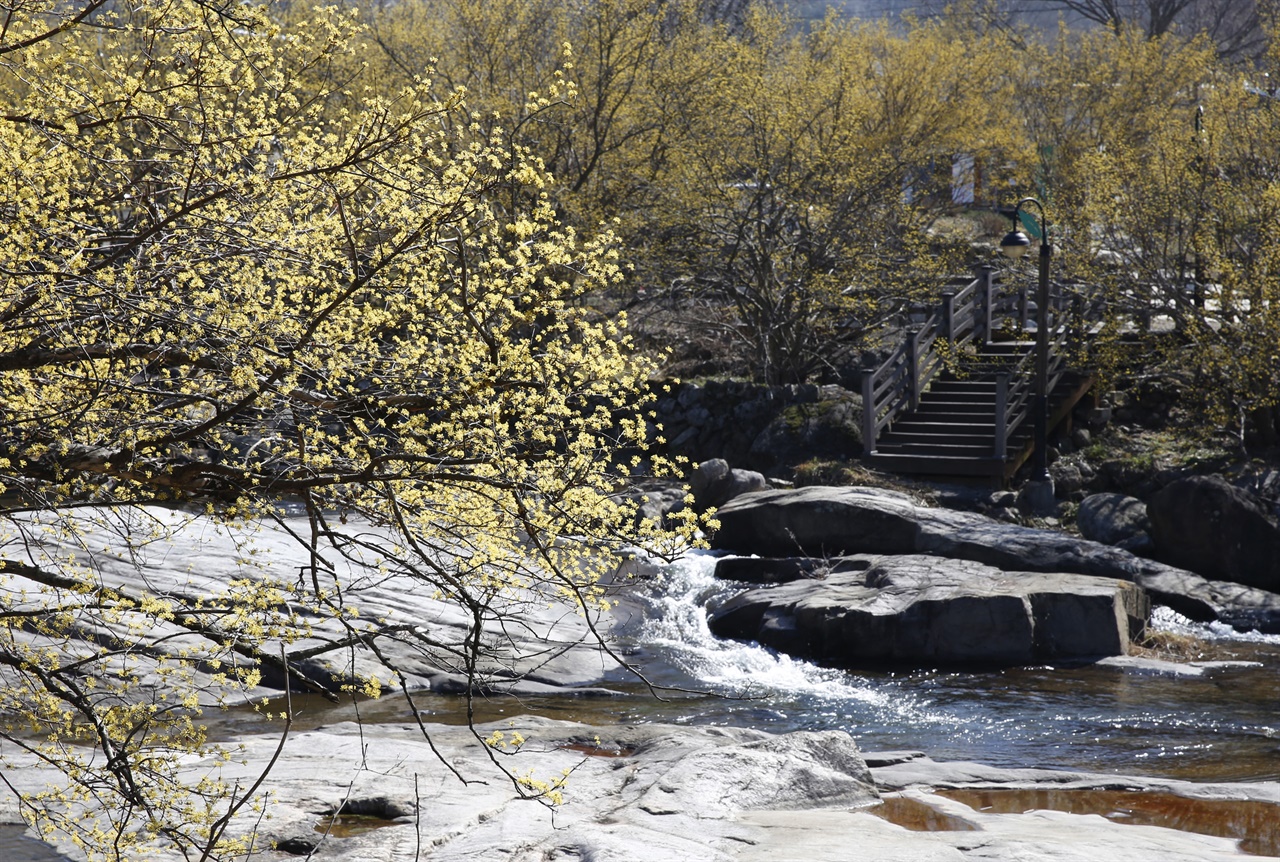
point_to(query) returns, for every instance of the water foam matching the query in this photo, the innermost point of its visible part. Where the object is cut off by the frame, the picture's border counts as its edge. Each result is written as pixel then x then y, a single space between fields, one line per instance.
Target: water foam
pixel 675 625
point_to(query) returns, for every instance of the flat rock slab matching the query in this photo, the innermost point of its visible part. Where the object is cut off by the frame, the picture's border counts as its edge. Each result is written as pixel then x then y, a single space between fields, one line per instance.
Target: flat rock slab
pixel 918 610
pixel 659 793
pixel 824 522
pixel 424 635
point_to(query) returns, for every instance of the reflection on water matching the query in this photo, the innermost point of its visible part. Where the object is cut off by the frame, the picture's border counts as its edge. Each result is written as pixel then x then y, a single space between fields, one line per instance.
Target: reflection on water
pixel 918 816
pixel 351 825
pixel 1256 825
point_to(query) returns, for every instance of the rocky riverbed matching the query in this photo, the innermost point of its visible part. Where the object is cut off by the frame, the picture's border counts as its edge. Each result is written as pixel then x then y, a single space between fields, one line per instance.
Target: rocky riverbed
pixel 652 793
pixel 776 777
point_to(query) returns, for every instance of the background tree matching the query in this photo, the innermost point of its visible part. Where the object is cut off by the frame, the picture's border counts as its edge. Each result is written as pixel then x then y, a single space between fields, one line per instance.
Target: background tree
pixel 1239 29
pixel 1194 220
pixel 790 196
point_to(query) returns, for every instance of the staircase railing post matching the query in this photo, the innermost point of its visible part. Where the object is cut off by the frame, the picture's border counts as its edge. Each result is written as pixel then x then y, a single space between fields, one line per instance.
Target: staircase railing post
pixel 1002 417
pixel 1077 325
pixel 868 406
pixel 987 310
pixel 913 366
pixel 1022 309
pixel 949 315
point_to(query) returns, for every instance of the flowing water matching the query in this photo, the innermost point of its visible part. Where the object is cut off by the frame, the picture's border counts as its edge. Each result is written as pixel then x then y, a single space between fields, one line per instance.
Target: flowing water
pixel 1220 726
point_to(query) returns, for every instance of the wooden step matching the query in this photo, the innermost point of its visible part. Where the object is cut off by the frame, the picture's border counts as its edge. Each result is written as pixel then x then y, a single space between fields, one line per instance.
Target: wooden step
pixel 932 406
pixel 950 450
pixel 942 429
pixel 964 437
pixel 935 465
pixel 971 395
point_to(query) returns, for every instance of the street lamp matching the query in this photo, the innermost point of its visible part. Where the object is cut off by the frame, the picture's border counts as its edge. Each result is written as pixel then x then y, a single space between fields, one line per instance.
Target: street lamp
pixel 1015 245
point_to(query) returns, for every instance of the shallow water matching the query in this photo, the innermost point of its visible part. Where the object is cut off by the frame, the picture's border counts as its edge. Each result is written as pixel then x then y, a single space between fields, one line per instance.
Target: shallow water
pixel 1254 825
pixel 1222 726
pixel 15 846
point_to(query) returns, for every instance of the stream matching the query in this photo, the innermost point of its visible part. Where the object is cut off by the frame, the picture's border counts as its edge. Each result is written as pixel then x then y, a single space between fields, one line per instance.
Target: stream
pixel 1219 726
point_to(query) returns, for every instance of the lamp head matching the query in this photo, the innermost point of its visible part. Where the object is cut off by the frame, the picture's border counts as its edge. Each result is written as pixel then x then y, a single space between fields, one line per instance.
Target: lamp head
pixel 1015 244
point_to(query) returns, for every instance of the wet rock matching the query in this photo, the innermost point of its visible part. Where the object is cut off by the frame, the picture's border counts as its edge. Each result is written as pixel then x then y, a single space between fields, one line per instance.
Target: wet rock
pixel 926 611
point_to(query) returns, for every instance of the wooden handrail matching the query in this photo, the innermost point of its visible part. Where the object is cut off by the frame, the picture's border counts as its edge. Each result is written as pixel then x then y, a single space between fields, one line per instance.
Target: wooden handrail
pixel 962 317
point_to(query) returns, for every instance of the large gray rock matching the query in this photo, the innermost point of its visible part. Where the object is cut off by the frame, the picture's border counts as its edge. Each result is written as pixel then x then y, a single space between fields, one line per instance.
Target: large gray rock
pixel 819 521
pixel 657 793
pixel 653 792
pixel 423 634
pixel 928 611
pixel 715 483
pixel 827 522
pixel 1207 525
pixel 1115 519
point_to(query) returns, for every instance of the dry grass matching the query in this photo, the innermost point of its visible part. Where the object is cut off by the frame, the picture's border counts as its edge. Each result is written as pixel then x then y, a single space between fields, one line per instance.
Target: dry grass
pixel 1171 646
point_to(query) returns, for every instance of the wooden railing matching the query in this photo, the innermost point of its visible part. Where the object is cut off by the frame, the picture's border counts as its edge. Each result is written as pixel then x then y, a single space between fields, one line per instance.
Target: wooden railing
pixel 977 313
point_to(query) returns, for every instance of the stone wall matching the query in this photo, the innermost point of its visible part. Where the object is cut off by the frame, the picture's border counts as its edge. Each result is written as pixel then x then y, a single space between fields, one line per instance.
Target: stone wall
pixel 765 428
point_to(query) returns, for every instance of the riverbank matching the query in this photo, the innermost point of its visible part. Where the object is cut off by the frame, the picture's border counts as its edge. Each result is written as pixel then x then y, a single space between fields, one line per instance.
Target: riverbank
pixel 662 792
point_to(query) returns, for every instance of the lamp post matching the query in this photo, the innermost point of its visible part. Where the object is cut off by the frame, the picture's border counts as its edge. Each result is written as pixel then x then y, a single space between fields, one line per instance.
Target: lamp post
pixel 1015 245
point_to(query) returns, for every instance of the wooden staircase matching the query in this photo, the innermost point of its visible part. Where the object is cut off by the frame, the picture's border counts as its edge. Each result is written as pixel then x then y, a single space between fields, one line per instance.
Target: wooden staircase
pixel 968 417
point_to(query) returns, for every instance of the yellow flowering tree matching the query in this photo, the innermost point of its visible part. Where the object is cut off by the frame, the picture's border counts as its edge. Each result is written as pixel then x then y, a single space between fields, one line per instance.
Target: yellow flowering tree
pixel 788 205
pixel 1191 213
pixel 234 273
pixel 1156 159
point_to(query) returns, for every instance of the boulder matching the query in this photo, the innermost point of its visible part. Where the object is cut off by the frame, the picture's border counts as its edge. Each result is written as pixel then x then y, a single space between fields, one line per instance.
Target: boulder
pixel 828 427
pixel 916 610
pixel 1115 519
pixel 715 483
pixel 819 521
pixel 1207 525
pixel 830 522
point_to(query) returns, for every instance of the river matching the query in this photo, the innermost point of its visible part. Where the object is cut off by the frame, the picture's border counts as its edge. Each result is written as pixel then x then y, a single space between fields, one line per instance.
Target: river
pixel 1220 726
